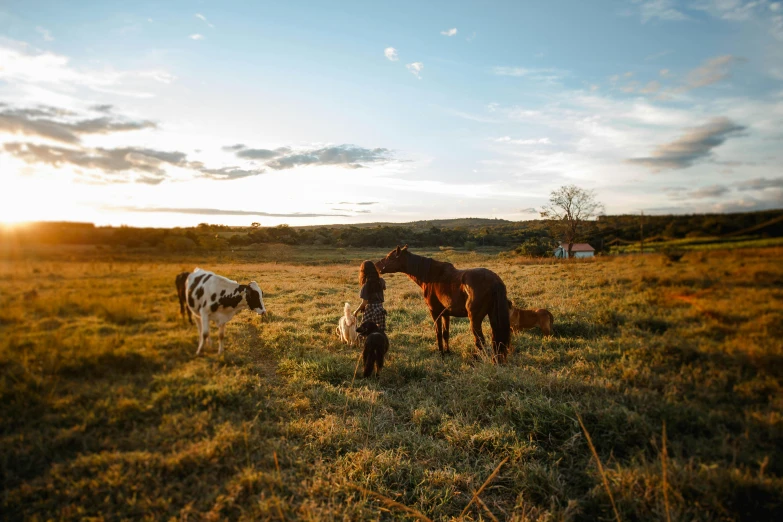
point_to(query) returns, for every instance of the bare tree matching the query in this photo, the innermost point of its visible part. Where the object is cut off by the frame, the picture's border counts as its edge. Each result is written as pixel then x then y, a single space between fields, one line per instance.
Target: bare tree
pixel 569 207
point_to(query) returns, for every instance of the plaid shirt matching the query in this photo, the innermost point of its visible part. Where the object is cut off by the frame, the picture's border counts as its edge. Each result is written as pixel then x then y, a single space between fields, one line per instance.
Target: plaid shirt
pixel 374 312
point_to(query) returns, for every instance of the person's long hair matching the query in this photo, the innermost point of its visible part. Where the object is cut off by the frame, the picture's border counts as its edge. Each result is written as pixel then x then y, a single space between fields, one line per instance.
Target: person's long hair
pixel 368 275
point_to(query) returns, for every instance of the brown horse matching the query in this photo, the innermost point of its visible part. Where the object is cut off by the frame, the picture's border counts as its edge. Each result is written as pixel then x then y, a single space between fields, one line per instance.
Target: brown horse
pixel 473 293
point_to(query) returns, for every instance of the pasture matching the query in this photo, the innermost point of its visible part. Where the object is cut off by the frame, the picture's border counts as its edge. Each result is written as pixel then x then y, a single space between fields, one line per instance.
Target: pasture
pixel 106 413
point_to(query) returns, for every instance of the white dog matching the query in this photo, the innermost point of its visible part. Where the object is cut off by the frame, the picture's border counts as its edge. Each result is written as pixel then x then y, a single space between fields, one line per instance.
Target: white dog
pixel 346 329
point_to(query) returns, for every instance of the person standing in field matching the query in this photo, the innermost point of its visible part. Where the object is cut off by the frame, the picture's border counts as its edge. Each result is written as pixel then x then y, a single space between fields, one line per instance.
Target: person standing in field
pixel 371 295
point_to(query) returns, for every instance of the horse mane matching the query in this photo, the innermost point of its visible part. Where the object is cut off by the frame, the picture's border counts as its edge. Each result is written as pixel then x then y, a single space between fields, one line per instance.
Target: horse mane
pixel 422 267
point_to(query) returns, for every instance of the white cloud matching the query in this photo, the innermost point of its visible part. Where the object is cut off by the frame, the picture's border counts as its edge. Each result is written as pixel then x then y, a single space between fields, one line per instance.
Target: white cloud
pixel 449 32
pixel 30 70
pixel 511 71
pixel 391 54
pixel 45 33
pixel 196 36
pixel 659 9
pixel 471 37
pixel 203 19
pixel 545 75
pixel 508 139
pixel 415 68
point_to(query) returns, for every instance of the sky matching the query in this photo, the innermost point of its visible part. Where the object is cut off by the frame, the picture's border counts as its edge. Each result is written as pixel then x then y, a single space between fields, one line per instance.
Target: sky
pixel 182 112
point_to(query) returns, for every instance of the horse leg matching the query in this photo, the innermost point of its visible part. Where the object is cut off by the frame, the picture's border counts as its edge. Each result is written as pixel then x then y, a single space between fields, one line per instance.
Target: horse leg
pixel 438 328
pixel 445 327
pixel 478 332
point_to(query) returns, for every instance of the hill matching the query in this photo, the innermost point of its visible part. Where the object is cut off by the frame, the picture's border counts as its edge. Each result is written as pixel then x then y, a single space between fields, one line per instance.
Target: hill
pixel 607 234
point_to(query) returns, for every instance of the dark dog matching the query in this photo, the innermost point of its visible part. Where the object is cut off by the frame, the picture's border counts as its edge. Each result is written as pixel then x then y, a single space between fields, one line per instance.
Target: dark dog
pixel 376 344
pixel 180 284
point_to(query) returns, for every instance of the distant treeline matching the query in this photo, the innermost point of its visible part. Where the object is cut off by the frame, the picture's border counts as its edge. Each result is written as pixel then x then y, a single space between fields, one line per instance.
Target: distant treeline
pixel 527 237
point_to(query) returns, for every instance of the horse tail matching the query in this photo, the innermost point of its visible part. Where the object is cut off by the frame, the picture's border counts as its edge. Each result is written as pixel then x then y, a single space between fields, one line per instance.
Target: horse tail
pixel 499 320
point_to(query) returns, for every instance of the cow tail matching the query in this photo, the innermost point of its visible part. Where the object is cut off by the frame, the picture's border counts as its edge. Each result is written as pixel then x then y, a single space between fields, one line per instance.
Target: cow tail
pixel 499 321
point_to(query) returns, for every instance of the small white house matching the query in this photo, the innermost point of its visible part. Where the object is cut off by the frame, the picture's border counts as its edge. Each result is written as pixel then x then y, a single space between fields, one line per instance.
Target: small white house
pixel 577 249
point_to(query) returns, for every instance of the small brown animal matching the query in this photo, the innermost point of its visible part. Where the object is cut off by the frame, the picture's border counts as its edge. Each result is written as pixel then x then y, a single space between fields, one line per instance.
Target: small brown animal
pixel 376 344
pixel 179 282
pixel 526 319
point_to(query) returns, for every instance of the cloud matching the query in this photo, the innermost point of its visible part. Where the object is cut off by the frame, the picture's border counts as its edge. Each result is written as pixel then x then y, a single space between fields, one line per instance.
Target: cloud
pixel 283 158
pixel 415 68
pixel 712 191
pixel 651 87
pixel 343 155
pixel 391 54
pixel 52 123
pixel 102 108
pixel 657 55
pixel 735 10
pixel 659 9
pixel 105 160
pixel 710 72
pixel 696 144
pixel 26 67
pixel 449 32
pixel 262 153
pixel 45 34
pixel 204 19
pixel 529 210
pixel 545 75
pixel 358 203
pixel 151 163
pixel 220 212
pixel 228 173
pixel 471 37
pixel 508 139
pixel 196 36
pixel 760 184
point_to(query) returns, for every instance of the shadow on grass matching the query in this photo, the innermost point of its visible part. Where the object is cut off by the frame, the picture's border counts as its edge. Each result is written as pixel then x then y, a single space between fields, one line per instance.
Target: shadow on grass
pixel 109 364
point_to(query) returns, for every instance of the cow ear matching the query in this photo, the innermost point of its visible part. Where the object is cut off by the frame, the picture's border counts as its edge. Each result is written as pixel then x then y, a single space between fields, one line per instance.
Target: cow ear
pixel 398 250
pixel 405 248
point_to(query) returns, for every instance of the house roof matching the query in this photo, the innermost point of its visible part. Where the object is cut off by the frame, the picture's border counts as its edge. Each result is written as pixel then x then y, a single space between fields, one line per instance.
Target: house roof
pixel 578 247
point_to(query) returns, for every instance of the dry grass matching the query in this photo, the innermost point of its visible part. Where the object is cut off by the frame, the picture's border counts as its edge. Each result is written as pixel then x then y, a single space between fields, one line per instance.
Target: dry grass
pixel 106 413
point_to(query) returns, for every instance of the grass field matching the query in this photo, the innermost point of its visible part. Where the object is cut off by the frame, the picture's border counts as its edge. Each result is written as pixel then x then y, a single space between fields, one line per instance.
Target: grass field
pixel 105 412
pixel 702 243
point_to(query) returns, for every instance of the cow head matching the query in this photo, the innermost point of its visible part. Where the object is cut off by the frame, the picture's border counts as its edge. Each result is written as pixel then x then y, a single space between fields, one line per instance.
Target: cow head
pixel 395 261
pixel 255 298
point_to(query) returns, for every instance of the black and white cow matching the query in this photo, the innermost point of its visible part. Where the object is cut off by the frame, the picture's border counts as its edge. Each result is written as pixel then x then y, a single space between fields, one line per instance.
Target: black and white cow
pixel 216 298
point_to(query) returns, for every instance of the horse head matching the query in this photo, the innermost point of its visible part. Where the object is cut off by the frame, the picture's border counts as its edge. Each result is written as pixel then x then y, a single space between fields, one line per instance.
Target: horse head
pixel 395 261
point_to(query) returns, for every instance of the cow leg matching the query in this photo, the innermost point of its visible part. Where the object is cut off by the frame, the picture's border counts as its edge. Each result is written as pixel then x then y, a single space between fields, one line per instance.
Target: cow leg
pixel 445 327
pixel 190 314
pixel 204 339
pixel 200 339
pixel 221 331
